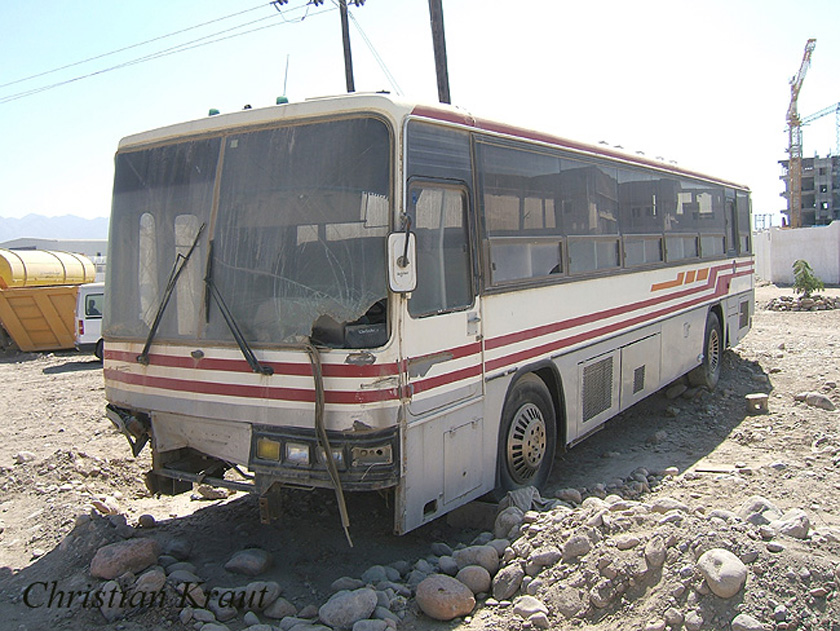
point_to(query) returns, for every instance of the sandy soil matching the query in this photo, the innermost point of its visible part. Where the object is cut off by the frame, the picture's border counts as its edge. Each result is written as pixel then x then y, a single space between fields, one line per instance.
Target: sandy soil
pixel 59 455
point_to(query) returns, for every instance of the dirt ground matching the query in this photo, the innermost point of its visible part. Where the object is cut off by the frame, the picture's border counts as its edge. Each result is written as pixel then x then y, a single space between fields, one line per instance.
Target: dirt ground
pixel 59 455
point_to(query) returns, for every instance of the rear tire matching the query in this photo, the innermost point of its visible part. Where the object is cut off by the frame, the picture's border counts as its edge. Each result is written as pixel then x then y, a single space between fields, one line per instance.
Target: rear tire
pixel 98 350
pixel 527 436
pixel 707 373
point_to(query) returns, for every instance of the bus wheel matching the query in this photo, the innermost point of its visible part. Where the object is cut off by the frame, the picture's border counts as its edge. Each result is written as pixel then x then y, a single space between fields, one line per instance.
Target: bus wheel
pixel 708 372
pixel 528 435
pixel 97 350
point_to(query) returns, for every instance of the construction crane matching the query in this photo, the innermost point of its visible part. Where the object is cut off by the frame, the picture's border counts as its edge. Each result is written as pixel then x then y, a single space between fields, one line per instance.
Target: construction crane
pixel 795 139
pixel 825 112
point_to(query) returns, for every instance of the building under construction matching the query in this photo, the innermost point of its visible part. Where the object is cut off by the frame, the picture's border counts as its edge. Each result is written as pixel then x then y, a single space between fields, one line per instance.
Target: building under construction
pixel 820 186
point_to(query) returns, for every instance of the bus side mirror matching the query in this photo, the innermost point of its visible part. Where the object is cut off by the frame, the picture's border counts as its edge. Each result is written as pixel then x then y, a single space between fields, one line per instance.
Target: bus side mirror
pixel 402 262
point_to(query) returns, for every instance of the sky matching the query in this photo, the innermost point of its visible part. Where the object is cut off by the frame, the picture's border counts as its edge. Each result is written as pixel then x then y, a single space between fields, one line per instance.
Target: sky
pixel 705 84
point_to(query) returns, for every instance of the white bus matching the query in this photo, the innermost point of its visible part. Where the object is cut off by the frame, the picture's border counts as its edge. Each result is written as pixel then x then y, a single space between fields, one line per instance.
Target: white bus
pixel 361 293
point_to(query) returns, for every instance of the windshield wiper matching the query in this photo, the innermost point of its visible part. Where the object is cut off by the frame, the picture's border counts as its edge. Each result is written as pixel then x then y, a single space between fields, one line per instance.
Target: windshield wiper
pixel 246 349
pixel 181 261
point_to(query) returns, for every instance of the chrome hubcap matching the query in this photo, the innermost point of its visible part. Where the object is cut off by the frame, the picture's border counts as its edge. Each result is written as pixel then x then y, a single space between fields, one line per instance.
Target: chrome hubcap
pixel 526 443
pixel 713 351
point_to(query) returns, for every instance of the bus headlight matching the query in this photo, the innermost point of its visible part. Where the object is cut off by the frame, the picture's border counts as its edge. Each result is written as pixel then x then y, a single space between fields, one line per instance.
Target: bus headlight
pixel 297 454
pixel 337 456
pixel 268 449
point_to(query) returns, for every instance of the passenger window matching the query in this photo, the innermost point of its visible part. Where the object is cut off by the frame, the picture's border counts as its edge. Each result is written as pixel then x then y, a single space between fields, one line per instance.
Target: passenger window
pixel 93 305
pixel 439 221
pixel 592 254
pixel 642 250
pixel 523 258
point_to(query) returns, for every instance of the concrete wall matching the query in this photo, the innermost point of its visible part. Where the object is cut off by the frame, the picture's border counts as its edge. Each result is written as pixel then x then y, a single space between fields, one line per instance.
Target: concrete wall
pixel 776 250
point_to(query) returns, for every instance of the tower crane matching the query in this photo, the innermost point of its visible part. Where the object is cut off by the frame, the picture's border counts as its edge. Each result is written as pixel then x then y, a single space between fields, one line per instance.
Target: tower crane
pixel 795 139
pixel 825 112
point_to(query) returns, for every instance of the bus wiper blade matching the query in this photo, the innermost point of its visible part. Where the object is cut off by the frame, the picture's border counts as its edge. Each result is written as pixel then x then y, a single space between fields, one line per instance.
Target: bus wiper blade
pixel 247 352
pixel 181 261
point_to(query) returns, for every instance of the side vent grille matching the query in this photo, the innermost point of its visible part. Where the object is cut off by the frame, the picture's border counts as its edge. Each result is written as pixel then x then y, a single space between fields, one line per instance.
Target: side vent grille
pixel 638 380
pixel 597 388
pixel 744 315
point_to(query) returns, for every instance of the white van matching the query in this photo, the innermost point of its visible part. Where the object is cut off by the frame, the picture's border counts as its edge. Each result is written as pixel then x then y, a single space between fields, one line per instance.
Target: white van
pixel 89 304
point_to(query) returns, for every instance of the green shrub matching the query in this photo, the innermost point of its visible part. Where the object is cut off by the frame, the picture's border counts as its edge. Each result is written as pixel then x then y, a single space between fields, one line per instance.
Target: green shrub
pixel 804 280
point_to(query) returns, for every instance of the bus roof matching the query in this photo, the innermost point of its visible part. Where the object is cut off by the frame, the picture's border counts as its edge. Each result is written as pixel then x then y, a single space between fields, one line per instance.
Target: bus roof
pixel 397 109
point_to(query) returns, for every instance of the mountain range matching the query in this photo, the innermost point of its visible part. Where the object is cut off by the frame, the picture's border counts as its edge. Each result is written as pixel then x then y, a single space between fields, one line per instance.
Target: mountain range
pixel 63 227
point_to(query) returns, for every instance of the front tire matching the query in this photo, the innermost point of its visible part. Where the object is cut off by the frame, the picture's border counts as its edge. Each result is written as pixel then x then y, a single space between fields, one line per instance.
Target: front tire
pixel 707 373
pixel 528 435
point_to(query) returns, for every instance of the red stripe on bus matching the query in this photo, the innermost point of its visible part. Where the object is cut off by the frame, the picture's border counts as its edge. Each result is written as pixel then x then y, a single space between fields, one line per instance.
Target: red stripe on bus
pixel 552 347
pixel 249 391
pixel 546 329
pixel 447 378
pixel 290 369
pixel 349 397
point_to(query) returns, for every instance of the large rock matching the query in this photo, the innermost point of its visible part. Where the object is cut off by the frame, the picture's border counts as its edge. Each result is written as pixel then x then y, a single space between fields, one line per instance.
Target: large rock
pixel 545 556
pixel 566 600
pixel 151 581
pixel 279 609
pixel 655 552
pixel 507 581
pixel 758 511
pixel 506 520
pixel 527 606
pixel 794 523
pixel 132 555
pixel 443 598
pixel 817 400
pixel 250 562
pixel 345 608
pixel 486 556
pixel 476 578
pixel 575 547
pixel 725 573
pixel 745 622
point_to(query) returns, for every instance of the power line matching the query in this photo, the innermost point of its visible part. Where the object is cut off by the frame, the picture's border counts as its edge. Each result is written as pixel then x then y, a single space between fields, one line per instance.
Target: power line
pixel 376 56
pixel 196 43
pixel 125 48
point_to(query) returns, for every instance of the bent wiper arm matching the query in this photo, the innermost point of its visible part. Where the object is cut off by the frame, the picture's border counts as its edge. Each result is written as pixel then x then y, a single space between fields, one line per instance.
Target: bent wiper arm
pixel 181 261
pixel 247 352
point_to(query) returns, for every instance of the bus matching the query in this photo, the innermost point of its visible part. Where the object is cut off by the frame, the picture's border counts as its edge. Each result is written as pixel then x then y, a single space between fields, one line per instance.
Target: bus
pixel 361 293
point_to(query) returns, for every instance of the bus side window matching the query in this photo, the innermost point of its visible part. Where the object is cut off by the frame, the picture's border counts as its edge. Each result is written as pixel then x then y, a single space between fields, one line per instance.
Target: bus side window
pixel 443 259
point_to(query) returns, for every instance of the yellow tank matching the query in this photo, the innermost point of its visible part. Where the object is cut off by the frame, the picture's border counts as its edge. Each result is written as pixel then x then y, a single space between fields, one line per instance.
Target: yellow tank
pixel 39 268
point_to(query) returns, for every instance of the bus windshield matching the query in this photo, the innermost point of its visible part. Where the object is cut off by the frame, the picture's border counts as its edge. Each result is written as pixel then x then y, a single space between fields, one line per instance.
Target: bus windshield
pixel 297 215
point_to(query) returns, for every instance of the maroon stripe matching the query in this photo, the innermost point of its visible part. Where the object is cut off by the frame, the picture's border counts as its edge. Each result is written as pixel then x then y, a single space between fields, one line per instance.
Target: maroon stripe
pixel 241 366
pixel 519 336
pixel 249 391
pixel 552 347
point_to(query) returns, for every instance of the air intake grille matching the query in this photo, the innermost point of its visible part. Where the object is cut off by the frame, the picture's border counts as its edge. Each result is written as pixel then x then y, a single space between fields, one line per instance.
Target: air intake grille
pixel 638 379
pixel 597 388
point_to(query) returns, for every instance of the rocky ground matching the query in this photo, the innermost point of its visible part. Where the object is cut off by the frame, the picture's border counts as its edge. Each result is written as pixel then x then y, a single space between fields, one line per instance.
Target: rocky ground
pixel 692 510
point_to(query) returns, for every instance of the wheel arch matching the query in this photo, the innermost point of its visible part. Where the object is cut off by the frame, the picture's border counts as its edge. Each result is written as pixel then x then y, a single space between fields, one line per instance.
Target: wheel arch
pixel 717 309
pixel 548 373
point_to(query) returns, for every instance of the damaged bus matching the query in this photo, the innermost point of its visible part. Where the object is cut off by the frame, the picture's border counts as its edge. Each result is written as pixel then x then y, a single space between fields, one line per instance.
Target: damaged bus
pixel 360 293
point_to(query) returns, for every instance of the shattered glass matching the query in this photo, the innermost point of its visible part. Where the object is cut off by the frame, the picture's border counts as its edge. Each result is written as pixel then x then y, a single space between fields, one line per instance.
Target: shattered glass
pixel 299 238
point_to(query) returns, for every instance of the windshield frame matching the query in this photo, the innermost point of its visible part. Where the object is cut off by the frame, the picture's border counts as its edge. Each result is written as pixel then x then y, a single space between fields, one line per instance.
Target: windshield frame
pixel 114 328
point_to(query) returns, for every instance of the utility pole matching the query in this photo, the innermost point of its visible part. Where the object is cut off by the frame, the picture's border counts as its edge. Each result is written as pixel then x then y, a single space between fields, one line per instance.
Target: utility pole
pixel 439 41
pixel 345 38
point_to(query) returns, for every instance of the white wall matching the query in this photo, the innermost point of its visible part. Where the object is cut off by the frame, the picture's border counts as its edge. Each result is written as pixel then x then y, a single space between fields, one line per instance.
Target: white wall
pixel 776 250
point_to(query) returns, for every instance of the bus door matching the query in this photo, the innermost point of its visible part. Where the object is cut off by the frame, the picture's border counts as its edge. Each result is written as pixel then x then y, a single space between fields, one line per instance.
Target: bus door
pixel 441 345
